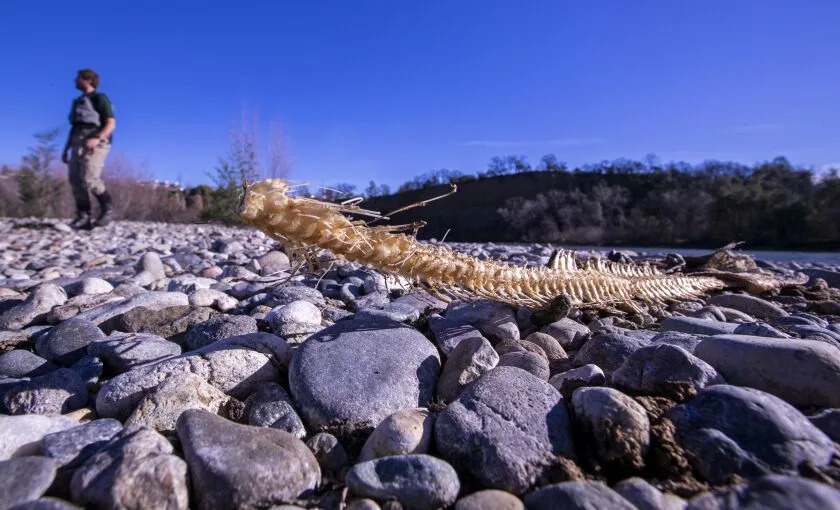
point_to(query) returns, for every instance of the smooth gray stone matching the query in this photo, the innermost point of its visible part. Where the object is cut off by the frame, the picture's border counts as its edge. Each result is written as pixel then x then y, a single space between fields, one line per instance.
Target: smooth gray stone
pixel 759 329
pixel 273 262
pixel 271 406
pixel 507 430
pixel 25 479
pixel 550 346
pixel 89 369
pixel 732 430
pixel 570 380
pixel 585 495
pixel 471 358
pixel 330 453
pixel 449 333
pixel 162 405
pixel 67 342
pixel 89 285
pixel 21 435
pixel 34 308
pixel 45 504
pixel 818 333
pixel 832 278
pixel 398 312
pixel 647 497
pixel 58 392
pixel 120 352
pixel 219 328
pixel 284 295
pixel 569 333
pixel 417 481
pixel 153 301
pixel 828 421
pixel 609 351
pixel 21 363
pixel 757 307
pixel 489 498
pixel 494 320
pixel 136 469
pixel 615 425
pixel 695 326
pixel 530 362
pixel 236 366
pixel 802 372
pixel 348 377
pixel 71 447
pixel 772 492
pixel 665 370
pixel 252 467
pixel 404 432
pixel 296 318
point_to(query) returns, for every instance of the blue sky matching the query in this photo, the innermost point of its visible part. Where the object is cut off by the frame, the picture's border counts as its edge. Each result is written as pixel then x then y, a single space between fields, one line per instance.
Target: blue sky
pixel 386 90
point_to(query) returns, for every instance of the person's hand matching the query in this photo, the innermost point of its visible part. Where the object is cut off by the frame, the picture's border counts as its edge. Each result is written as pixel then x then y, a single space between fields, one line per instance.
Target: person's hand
pixel 91 143
pixel 65 156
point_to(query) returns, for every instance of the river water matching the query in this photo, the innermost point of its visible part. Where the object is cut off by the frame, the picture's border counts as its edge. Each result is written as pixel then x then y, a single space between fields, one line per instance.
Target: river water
pixel 829 258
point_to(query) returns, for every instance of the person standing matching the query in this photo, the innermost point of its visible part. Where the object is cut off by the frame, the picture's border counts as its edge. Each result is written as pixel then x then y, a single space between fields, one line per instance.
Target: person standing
pixel 93 122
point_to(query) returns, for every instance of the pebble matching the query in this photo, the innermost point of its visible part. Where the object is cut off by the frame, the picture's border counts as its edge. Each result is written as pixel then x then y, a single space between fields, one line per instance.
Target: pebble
pixel 733 430
pixel 615 425
pixel 647 497
pixel 161 406
pixel 235 366
pixel 417 481
pixel 67 342
pixel 694 326
pixel 587 375
pixel 568 333
pixel 219 328
pixel 802 372
pixel 136 469
pixel 550 346
pixel 502 427
pixel 21 435
pixel 494 320
pixel 751 305
pixel 296 318
pixel 577 495
pixel 357 372
pixel 70 447
pixel 35 308
pixel 530 362
pixel 471 358
pixel 665 370
pixel 21 363
pixel 120 352
pixel 608 350
pixel 252 467
pixel 408 431
pixel 770 492
pixel 489 498
pixel 271 406
pixel 58 392
pixel 188 309
pixel 328 450
pixel 449 333
pixel 25 479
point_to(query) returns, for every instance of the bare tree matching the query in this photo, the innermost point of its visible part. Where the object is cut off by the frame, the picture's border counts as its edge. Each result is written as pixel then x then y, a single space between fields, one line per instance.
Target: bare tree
pixel 279 157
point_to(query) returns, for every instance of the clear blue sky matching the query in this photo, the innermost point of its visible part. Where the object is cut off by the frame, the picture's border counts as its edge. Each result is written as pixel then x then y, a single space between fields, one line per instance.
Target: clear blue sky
pixel 386 90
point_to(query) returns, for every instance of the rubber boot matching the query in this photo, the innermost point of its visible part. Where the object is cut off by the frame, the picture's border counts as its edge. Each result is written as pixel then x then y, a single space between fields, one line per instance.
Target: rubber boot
pixel 82 220
pixel 106 212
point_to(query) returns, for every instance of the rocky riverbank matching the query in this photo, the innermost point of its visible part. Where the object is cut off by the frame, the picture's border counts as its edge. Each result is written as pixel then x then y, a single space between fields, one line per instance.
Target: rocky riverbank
pixel 151 365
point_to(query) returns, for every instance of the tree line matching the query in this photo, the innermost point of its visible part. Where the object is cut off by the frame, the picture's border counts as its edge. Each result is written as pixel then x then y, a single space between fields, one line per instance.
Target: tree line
pixel 771 204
